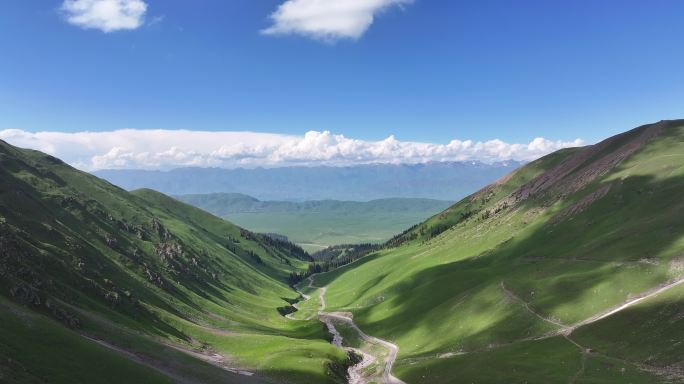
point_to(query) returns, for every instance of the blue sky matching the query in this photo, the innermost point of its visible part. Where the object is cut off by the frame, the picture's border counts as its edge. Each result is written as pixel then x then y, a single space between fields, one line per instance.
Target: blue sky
pixel 425 70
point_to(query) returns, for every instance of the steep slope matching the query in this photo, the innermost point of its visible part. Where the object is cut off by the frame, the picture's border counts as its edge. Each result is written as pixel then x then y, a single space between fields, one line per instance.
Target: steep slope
pixel 540 276
pixel 319 223
pixel 101 285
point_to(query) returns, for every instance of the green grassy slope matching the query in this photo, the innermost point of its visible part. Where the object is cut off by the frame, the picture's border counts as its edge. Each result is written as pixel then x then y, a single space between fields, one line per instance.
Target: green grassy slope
pixel 477 293
pixel 146 275
pixel 317 224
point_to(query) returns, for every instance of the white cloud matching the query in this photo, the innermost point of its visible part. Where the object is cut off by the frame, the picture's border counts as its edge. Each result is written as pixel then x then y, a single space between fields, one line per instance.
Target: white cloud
pixel 105 15
pixel 163 149
pixel 327 19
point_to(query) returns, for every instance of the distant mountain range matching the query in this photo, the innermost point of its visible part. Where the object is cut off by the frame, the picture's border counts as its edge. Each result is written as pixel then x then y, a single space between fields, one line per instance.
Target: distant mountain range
pixel 223 204
pixel 436 180
pixel 319 223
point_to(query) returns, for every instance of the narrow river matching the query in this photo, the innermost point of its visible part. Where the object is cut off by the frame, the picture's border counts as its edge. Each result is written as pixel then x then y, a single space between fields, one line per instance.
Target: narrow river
pixel 358 373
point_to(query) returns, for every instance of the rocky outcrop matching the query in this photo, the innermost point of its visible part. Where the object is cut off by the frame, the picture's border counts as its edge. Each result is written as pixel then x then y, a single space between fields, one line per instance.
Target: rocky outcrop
pixel 168 252
pixel 582 204
pixel 155 278
pixel 583 167
pixel 160 230
pixel 112 242
pixel 63 315
pixel 572 175
pixel 26 294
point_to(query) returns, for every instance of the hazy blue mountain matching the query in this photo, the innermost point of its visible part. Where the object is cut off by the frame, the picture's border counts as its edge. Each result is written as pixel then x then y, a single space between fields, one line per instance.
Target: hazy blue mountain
pixel 437 180
pixel 222 204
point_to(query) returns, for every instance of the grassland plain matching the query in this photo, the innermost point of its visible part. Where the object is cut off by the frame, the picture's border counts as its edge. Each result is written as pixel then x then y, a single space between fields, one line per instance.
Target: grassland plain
pixel 100 285
pixel 317 224
pixel 489 290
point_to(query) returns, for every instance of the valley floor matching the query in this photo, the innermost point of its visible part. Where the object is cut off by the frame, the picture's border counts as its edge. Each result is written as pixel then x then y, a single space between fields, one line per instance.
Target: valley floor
pixel 376 356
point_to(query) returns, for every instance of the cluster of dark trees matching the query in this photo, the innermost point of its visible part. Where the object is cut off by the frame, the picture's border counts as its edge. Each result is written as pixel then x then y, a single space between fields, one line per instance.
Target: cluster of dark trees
pixel 273 246
pixel 344 250
pixel 339 255
pixel 296 277
pixel 406 236
pixel 279 243
pixel 332 258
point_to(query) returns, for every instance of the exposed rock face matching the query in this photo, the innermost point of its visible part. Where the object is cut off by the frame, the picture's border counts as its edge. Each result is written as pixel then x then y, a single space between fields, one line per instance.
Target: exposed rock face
pixel 112 242
pixel 581 205
pixel 168 252
pixel 161 231
pixel 571 175
pixel 140 233
pixel 14 259
pixel 63 315
pixel 582 168
pixel 69 201
pixel 154 277
pixel 26 294
pixel 112 298
pixel 23 269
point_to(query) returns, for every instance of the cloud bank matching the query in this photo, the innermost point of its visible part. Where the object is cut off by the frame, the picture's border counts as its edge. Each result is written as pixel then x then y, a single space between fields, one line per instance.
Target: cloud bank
pixel 105 15
pixel 165 149
pixel 327 19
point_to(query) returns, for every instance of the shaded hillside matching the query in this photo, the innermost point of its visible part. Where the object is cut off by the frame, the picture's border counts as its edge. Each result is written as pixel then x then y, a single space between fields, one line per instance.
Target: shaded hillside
pixel 317 224
pixel 437 180
pixel 519 281
pixel 101 285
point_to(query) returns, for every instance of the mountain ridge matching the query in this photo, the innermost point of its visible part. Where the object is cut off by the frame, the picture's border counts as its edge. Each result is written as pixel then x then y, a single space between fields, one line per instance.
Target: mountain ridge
pixel 565 242
pixel 436 180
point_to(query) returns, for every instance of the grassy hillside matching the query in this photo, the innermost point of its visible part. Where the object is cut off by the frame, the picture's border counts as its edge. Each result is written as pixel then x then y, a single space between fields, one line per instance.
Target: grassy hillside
pixel 503 286
pixel 100 285
pixel 317 224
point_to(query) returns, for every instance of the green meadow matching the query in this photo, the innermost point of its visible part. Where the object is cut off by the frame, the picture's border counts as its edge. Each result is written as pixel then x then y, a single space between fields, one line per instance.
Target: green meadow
pixel 315 225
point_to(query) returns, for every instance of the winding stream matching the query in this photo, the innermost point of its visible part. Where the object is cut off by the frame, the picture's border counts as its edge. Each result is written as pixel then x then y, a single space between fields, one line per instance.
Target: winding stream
pixel 357 374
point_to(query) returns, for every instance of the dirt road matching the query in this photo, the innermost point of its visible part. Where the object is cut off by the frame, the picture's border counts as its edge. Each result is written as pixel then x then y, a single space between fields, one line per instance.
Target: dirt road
pixel 232 375
pixel 393 348
pixel 641 297
pixel 356 372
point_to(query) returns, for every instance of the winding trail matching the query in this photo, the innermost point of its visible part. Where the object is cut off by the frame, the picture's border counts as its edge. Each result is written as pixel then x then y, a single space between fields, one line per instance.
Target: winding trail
pixel 393 348
pixel 183 374
pixel 567 330
pixel 356 374
pixel 171 371
pixel 564 330
pixel 511 295
pixel 641 297
pixel 296 305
